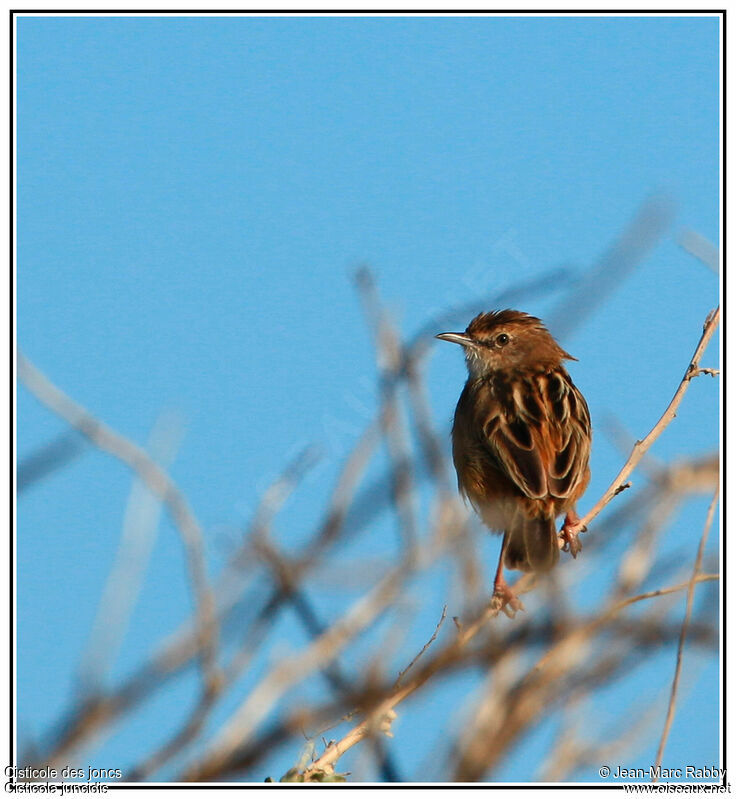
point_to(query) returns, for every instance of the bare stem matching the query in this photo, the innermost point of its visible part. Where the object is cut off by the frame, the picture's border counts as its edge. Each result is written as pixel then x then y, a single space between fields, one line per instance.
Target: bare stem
pixel 637 453
pixel 386 708
pixel 683 633
pixel 158 482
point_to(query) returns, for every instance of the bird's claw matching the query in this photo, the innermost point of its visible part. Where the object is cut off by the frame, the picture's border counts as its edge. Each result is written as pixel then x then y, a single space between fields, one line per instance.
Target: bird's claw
pixel 504 599
pixel 569 535
pixel 571 541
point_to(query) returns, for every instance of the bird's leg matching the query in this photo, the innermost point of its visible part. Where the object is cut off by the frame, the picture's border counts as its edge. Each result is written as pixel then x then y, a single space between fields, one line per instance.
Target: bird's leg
pixel 503 597
pixel 569 535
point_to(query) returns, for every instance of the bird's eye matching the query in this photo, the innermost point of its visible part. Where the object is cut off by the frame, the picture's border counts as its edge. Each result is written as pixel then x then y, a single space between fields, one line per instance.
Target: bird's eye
pixel 502 340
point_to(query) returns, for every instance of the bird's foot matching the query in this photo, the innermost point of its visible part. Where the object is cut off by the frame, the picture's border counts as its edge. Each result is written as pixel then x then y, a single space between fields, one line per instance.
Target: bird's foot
pixel 504 599
pixel 569 534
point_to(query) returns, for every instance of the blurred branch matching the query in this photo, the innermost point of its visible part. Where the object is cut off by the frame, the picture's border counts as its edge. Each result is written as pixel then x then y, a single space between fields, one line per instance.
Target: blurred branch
pixel 671 487
pixel 389 358
pixel 548 282
pixel 140 521
pixel 683 632
pixel 585 629
pixel 640 448
pixel 176 652
pixel 47 459
pixel 644 636
pixel 158 482
pixel 384 708
pixel 624 603
pixel 572 751
pixel 637 240
pixel 699 247
pixel 288 672
pixel 535 667
pixel 286 578
pixel 572 664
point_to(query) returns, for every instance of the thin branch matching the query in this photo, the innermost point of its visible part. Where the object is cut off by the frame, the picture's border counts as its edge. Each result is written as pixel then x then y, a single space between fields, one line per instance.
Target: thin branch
pixel 349 511
pixel 159 483
pixel 683 632
pixel 615 608
pixel 640 448
pixel 47 459
pixel 280 490
pixel 647 633
pixel 699 247
pixel 140 524
pixel 257 545
pixel 624 603
pixel 292 670
pixel 423 649
pixel 389 356
pixel 384 709
pixel 176 652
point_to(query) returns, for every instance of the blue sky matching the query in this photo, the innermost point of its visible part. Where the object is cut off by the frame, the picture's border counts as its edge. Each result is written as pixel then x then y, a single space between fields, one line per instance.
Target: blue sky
pixel 194 195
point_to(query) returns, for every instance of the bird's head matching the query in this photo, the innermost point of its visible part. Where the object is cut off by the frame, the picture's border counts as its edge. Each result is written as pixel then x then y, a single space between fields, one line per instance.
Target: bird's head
pixel 507 340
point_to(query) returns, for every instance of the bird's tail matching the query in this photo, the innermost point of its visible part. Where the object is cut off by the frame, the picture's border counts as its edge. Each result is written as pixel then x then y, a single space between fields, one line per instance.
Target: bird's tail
pixel 532 545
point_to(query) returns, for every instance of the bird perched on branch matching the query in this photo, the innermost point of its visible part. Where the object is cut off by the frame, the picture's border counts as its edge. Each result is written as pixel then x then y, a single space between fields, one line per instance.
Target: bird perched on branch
pixel 520 441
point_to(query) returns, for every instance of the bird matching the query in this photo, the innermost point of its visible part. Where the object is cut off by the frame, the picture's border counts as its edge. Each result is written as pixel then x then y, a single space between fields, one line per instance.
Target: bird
pixel 521 440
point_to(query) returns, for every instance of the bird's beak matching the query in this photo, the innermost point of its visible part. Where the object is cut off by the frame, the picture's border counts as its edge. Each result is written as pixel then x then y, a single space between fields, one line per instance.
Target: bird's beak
pixel 456 338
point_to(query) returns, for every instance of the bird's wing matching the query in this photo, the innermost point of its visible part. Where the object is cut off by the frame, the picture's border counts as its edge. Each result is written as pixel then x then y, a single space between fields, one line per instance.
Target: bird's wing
pixel 516 449
pixel 539 437
pixel 570 462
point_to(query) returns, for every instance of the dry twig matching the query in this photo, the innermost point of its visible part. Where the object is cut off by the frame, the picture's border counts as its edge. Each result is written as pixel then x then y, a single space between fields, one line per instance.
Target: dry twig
pixel 640 448
pixel 245 739
pixel 449 655
pixel 160 484
pixel 423 649
pixel 683 632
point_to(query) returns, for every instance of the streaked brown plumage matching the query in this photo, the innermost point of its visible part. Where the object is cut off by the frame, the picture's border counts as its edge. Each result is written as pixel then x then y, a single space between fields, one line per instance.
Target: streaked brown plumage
pixel 520 440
